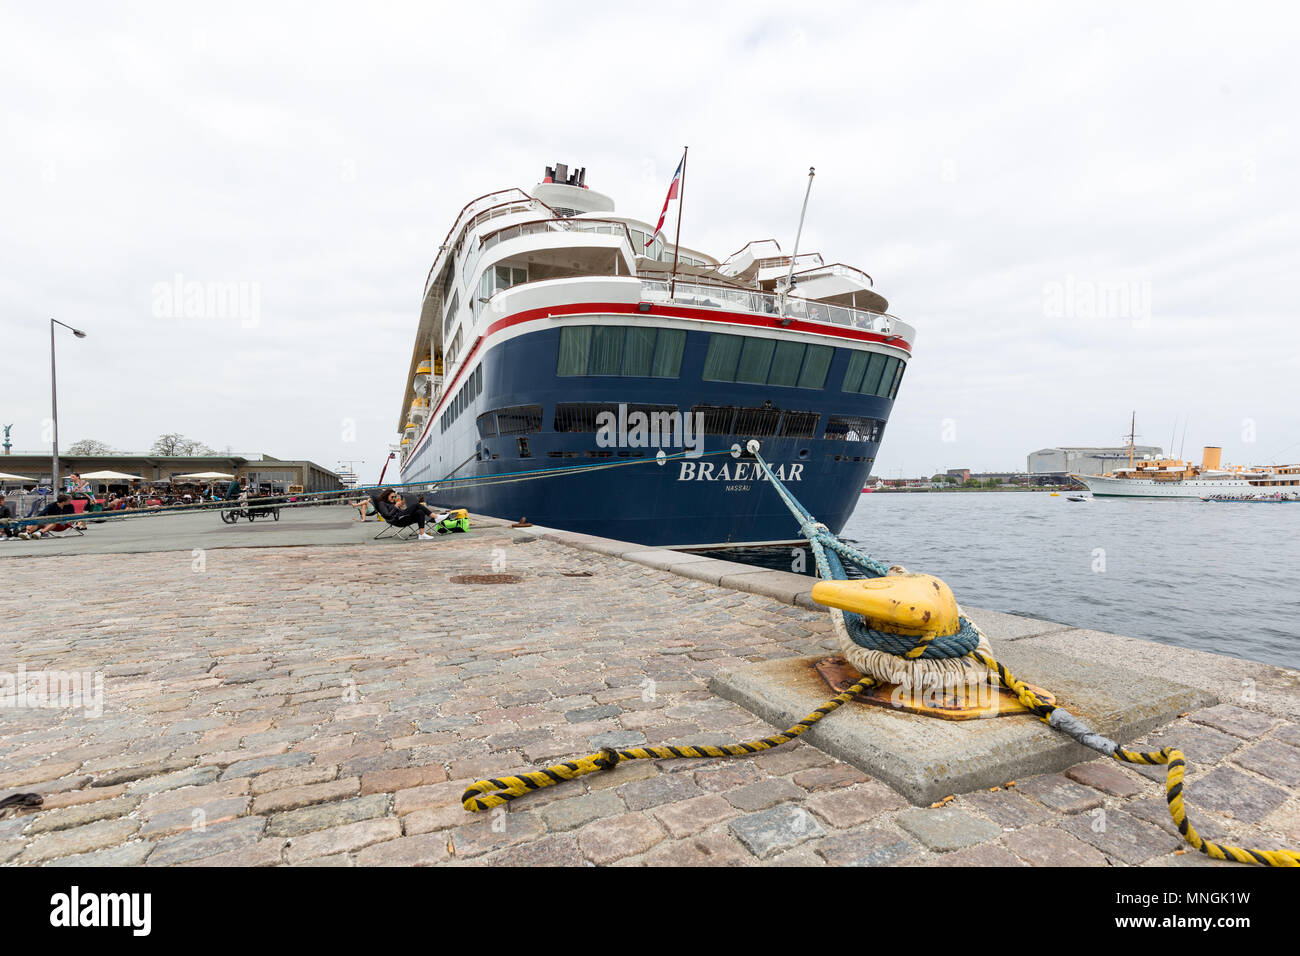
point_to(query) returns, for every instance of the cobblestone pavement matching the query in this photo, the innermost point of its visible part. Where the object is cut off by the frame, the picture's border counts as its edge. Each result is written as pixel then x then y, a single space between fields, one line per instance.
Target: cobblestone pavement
pixel 328 705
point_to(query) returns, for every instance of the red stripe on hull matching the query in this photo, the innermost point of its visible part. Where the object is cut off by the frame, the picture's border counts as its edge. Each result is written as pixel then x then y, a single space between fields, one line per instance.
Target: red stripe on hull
pixel 677 312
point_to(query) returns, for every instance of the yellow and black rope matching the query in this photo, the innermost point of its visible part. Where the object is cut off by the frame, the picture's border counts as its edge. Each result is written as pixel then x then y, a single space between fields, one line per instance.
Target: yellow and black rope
pixel 485 794
pixel 1177 766
pixel 497 791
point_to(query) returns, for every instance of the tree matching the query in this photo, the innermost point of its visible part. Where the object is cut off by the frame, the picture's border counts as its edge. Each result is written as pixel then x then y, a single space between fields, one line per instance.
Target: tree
pixel 174 444
pixel 89 446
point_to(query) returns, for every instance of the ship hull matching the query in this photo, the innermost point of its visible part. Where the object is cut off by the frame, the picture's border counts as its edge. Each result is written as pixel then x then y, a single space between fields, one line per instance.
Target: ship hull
pixel 1194 488
pixel 570 476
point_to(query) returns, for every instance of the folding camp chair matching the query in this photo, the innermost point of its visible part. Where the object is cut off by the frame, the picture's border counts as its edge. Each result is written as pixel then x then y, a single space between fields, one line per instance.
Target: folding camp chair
pixel 404 531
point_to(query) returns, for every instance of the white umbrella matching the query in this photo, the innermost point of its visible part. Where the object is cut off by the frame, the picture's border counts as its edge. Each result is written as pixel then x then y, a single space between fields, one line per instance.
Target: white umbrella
pixel 109 476
pixel 5 476
pixel 206 475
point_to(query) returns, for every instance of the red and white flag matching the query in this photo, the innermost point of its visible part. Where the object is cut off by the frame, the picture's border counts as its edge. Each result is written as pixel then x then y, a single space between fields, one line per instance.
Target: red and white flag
pixel 673 187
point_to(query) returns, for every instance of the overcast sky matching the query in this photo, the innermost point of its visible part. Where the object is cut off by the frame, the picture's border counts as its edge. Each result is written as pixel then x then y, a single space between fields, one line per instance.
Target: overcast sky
pixel 1083 211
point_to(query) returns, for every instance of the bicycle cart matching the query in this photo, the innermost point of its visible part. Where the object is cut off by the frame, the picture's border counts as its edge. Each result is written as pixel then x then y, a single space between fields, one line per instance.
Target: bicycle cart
pixel 254 506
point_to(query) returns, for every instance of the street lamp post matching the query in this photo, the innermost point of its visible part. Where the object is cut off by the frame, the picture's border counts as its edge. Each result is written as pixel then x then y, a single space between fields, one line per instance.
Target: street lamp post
pixel 54 402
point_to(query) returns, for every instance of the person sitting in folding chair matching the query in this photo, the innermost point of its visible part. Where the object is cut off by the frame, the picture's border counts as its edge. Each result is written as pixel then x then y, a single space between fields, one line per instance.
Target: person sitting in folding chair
pixel 61 506
pixel 398 514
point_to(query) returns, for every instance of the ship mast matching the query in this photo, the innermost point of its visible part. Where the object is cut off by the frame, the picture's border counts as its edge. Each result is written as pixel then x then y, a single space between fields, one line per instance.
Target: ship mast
pixel 1132 434
pixel 789 279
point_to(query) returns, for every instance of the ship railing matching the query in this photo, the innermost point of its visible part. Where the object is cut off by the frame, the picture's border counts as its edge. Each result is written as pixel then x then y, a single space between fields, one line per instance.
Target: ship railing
pixel 698 295
pixel 471 209
pixel 832 269
pixel 608 227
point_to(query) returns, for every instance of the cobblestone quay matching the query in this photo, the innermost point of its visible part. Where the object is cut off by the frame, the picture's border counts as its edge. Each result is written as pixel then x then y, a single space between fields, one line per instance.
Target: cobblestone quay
pixel 327 704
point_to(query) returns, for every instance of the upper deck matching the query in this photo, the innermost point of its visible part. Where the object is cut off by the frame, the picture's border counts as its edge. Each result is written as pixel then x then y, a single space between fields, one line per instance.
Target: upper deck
pixel 511 238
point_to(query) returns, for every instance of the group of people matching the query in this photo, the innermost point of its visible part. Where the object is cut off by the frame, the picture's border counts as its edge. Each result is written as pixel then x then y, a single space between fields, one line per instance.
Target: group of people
pixel 27 526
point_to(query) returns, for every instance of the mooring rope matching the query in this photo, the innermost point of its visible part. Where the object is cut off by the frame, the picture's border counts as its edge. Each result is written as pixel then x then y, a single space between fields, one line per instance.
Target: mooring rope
pixel 829 552
pixel 316 498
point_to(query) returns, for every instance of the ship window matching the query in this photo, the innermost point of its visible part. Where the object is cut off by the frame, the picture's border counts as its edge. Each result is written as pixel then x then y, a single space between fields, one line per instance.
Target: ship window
pixel 854 428
pixel 641 351
pixel 755 360
pixel 757 421
pixel 519 419
pixel 606 350
pixel 723 354
pixel 638 351
pixel 452 311
pixel 506 276
pixel 575 343
pixel 668 353
pixel 577 417
pixel 478 380
pixel 815 366
pixel 487 425
pixel 898 379
pixel 857 365
pixel 717 418
pixel 871 380
pixel 786 361
pixel 583 416
pixel 887 379
pixel 799 424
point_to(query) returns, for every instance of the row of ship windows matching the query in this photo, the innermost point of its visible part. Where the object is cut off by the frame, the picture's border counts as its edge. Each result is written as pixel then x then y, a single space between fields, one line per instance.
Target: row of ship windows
pixel 643 351
pixel 581 417
pixel 648 352
pixel 471 390
pixel 755 361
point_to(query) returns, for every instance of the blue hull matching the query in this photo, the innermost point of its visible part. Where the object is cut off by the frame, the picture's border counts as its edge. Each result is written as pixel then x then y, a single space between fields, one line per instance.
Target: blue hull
pixel 709 500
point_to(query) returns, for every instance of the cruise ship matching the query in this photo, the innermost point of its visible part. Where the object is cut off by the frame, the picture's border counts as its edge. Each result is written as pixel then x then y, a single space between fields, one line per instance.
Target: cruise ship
pixel 573 368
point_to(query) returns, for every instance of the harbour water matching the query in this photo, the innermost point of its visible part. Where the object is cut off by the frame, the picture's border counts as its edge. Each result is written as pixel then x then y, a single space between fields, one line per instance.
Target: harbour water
pixel 1213 577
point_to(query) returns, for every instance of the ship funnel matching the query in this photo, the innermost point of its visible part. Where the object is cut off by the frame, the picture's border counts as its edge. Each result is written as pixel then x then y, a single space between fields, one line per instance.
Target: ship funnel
pixel 1210 458
pixel 568 193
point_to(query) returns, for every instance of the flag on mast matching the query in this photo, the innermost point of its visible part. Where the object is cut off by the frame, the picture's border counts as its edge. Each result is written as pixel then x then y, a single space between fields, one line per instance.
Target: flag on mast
pixel 673 187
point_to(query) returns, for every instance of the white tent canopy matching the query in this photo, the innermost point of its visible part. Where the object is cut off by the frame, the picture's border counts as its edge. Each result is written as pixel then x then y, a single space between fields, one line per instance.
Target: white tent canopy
pixel 5 476
pixel 109 476
pixel 206 475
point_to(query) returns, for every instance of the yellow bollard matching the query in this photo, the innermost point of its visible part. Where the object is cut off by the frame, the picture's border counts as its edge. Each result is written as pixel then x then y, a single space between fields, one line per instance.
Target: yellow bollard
pixel 916 605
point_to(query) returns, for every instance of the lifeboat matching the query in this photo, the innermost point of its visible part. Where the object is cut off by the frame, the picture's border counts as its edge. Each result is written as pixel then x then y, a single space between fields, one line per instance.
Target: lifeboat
pixel 422 376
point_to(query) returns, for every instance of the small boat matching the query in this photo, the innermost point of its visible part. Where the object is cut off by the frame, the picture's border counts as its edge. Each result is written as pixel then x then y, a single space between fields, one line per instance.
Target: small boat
pixel 1075 498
